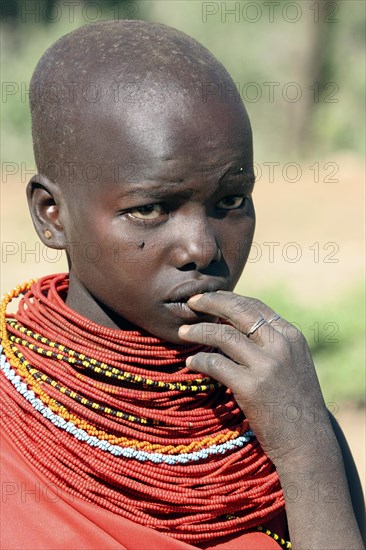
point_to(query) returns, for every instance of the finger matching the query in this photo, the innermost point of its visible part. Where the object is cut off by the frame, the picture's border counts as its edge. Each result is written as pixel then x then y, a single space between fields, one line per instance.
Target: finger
pixel 242 312
pixel 277 322
pixel 225 337
pixel 218 367
pixel 276 331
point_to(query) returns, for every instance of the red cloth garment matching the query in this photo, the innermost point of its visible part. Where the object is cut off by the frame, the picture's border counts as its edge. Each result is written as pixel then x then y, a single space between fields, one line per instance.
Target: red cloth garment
pixel 36 515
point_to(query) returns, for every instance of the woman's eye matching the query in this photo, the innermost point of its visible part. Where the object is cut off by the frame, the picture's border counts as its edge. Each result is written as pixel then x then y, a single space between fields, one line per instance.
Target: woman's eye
pixel 147 212
pixel 231 202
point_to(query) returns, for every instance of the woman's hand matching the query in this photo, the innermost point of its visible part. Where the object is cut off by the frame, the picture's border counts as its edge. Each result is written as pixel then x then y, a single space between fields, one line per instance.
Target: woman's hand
pixel 270 372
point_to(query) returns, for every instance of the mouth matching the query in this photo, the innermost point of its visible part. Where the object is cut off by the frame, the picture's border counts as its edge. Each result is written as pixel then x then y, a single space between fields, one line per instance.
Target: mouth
pixel 177 300
pixel 183 312
pixel 183 292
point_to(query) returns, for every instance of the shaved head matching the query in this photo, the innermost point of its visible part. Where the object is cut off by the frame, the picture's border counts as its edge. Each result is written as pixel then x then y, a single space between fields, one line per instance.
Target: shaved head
pixel 135 143
pixel 125 71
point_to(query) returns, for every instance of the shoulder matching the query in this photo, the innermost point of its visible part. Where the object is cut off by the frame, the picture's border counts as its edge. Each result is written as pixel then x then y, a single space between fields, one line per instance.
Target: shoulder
pixel 353 478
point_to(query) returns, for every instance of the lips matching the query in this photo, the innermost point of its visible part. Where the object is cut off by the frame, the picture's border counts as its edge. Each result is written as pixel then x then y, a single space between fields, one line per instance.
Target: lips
pixel 182 293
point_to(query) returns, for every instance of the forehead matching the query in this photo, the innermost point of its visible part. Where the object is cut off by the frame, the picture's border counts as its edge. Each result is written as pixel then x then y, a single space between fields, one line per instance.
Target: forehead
pixel 153 152
pixel 177 135
pixel 132 96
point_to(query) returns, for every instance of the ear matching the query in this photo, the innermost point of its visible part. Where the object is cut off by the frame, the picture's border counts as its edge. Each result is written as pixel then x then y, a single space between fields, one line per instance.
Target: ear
pixel 45 203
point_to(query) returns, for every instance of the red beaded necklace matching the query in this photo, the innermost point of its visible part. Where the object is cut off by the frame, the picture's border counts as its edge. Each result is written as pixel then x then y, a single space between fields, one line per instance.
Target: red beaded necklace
pixel 115 418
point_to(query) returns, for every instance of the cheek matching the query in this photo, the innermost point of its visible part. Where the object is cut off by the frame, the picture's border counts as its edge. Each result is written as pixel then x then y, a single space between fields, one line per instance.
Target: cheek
pixel 248 230
pixel 237 241
pixel 109 265
pixel 96 245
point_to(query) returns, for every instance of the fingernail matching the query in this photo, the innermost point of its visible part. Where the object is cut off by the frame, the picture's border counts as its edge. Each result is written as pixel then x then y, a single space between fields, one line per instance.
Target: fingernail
pixel 189 360
pixel 195 298
pixel 183 329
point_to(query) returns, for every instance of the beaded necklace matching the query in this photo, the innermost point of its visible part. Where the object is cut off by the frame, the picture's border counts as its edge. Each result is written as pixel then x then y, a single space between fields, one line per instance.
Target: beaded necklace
pixel 115 418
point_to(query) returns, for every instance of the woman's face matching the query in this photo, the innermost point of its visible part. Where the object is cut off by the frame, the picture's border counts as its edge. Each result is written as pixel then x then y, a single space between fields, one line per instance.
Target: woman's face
pixel 171 215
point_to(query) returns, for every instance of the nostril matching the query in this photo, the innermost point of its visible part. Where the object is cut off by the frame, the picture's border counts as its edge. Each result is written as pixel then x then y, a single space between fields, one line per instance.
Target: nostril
pixel 188 267
pixel 196 248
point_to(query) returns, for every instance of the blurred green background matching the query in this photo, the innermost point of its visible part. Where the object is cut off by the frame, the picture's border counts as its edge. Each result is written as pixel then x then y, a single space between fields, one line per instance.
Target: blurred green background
pixel 300 69
pixel 318 45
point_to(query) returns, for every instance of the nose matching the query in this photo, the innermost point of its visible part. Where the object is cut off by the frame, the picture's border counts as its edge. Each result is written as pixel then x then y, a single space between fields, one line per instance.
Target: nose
pixel 195 245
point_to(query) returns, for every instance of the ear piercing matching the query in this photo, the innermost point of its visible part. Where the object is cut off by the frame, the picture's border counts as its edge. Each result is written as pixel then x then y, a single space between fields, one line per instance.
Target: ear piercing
pixel 47 234
pixel 141 244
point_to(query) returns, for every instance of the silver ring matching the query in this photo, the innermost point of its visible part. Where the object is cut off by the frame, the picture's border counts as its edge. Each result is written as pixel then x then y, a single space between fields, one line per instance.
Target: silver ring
pixel 256 326
pixel 274 318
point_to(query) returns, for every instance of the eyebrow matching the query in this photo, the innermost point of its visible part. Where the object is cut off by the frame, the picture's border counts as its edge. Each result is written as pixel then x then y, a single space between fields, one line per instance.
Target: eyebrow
pixel 246 179
pixel 156 192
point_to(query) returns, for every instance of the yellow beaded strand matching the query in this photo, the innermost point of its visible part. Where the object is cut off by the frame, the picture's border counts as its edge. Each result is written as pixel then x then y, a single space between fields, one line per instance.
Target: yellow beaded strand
pixel 284 543
pixel 82 361
pixel 27 375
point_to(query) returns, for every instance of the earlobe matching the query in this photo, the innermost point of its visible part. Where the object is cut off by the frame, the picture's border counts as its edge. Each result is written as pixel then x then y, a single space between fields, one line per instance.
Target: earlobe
pixel 45 203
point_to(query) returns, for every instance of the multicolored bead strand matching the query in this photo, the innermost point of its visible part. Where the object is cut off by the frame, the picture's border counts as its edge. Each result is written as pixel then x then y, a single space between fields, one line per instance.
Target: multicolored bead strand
pixel 116 418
